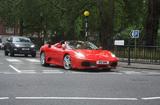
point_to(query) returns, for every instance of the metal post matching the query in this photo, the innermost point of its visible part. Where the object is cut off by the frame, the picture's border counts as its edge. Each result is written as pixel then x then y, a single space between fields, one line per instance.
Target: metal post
pixel 129 55
pixel 86 14
pixel 135 48
pixel 86 28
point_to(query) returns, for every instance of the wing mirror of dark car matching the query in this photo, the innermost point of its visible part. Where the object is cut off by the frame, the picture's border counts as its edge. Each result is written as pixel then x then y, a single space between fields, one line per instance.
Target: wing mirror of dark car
pixel 8 40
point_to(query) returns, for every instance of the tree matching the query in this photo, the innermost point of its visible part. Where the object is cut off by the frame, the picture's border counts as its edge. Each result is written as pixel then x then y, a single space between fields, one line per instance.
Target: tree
pixel 107 19
pixel 152 22
pixel 106 11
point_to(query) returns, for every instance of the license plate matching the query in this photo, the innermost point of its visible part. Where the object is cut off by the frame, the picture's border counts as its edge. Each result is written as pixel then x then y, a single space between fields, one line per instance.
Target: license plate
pixel 102 62
pixel 25 48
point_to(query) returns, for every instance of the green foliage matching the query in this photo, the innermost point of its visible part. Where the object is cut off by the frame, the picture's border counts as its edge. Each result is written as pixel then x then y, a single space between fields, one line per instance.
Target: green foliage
pixel 110 18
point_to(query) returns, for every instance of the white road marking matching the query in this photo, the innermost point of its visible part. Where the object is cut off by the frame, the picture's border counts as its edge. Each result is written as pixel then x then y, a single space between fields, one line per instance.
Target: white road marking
pixel 52 71
pixel 74 98
pixel 4 98
pixel 13 60
pixel 8 73
pixel 131 72
pixel 33 60
pixel 80 98
pixel 96 73
pixel 150 98
pixel 27 70
pixel 18 71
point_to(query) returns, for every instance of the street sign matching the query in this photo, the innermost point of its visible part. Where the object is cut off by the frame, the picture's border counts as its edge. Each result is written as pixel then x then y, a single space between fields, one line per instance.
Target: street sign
pixel 119 42
pixel 135 34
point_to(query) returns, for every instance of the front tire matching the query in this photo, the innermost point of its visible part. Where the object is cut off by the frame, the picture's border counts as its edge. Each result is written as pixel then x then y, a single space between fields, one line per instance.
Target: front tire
pixel 11 53
pixel 5 53
pixel 43 59
pixel 67 62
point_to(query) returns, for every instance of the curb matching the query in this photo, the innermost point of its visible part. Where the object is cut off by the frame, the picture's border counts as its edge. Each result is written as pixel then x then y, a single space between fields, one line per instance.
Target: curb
pixel 139 68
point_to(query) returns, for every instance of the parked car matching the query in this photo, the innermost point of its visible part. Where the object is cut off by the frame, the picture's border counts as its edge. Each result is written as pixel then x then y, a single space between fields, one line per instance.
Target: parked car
pixel 19 45
pixel 77 55
pixel 1 44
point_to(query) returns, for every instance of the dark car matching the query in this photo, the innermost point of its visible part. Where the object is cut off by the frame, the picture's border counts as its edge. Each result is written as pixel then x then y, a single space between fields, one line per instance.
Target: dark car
pixel 19 45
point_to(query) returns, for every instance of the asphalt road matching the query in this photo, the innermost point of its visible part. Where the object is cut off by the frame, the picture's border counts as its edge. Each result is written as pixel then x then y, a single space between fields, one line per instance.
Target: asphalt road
pixel 23 81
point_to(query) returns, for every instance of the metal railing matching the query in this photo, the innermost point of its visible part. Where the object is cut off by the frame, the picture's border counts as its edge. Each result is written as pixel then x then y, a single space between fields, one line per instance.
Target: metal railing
pixel 138 54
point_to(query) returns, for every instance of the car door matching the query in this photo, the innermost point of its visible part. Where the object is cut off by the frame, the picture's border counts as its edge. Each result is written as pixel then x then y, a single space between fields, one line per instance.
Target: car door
pixel 48 52
pixel 57 53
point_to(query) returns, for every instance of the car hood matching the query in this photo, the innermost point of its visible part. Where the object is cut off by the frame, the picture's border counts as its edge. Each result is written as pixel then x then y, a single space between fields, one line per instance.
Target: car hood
pixel 24 44
pixel 96 54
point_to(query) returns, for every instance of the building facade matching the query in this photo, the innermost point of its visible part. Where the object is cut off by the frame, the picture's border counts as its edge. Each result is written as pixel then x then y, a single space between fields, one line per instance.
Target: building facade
pixel 4 30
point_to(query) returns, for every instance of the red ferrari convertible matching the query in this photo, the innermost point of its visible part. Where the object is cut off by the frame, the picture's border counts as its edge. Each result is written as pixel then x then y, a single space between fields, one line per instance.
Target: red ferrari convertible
pixel 77 55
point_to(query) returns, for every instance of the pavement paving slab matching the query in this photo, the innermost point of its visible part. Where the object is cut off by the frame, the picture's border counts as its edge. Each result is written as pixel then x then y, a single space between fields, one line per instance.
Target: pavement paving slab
pixel 139 66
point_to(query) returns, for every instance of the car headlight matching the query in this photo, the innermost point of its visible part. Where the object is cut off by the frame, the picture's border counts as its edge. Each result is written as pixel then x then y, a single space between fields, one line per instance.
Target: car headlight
pixel 113 55
pixel 32 46
pixel 17 45
pixel 79 55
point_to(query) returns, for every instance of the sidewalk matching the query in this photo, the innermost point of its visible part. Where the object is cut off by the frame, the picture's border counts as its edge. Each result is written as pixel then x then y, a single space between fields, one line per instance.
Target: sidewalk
pixel 139 66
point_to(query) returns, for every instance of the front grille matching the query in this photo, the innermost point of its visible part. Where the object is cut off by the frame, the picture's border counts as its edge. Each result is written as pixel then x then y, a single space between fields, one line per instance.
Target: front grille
pixel 86 63
pixel 22 50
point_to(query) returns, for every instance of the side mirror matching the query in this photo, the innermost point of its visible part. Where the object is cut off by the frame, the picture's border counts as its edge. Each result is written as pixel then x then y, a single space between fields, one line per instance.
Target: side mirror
pixel 8 40
pixel 59 46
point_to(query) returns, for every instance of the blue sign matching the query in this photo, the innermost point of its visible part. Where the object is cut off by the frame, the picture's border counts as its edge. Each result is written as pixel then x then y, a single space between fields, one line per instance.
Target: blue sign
pixel 135 34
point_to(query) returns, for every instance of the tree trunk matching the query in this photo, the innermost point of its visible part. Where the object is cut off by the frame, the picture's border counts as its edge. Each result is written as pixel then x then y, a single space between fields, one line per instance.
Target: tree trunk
pixel 107 18
pixel 152 21
pixel 21 28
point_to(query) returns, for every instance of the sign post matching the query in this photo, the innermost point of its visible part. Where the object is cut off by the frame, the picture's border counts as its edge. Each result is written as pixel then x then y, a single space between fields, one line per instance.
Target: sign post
pixel 135 35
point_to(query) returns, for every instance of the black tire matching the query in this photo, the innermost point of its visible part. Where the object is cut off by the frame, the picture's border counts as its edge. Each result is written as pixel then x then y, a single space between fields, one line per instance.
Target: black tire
pixel 26 55
pixel 5 53
pixel 67 62
pixel 43 59
pixel 11 53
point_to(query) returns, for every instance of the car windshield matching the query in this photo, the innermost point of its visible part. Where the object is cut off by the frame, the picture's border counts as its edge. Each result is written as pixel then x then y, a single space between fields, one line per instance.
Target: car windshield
pixel 81 45
pixel 21 39
pixel 0 40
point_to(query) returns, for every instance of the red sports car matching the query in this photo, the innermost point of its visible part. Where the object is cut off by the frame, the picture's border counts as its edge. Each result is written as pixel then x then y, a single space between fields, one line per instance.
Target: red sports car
pixel 77 55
